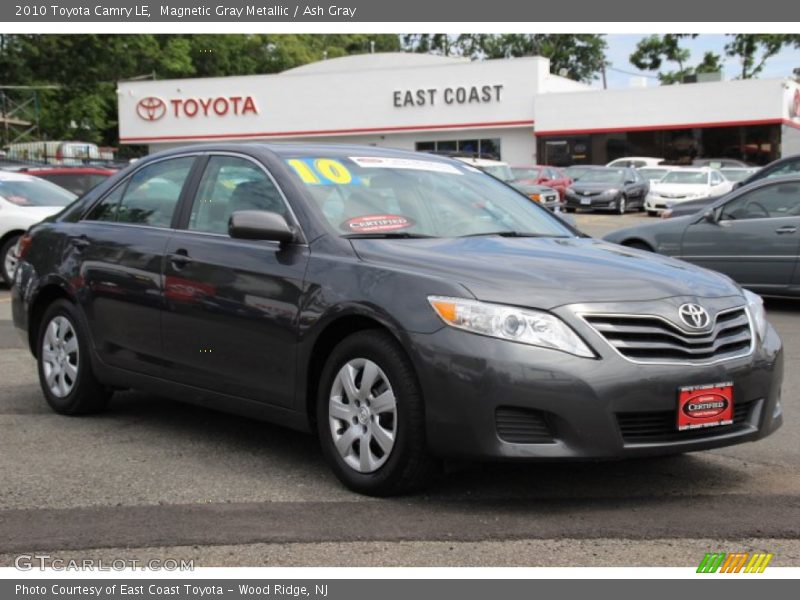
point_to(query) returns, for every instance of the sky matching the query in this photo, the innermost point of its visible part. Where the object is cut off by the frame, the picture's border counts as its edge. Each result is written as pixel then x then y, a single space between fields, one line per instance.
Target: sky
pixel 620 47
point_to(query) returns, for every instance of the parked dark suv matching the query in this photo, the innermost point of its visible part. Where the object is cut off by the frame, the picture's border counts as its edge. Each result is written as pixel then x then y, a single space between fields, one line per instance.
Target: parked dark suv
pixel 405 307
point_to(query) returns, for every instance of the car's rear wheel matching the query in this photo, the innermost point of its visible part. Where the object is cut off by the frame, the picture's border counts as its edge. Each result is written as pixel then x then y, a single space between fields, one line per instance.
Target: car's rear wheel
pixel 9 258
pixel 65 370
pixel 370 417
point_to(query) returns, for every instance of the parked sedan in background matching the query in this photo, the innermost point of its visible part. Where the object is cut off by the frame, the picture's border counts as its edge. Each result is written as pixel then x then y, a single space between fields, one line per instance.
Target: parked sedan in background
pixel 24 201
pixel 636 162
pixel 752 235
pixel 682 185
pixel 551 177
pixel 608 189
pixel 77 180
pixel 546 196
pixel 720 163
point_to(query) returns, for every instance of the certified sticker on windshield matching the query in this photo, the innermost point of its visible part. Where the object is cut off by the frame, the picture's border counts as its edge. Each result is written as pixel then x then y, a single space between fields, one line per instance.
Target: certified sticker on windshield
pixel 377 223
pixel 383 162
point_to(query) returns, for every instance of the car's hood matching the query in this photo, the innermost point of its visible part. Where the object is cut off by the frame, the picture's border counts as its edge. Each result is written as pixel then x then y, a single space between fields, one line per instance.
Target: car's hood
pixel 547 272
pixel 580 186
pixel 679 188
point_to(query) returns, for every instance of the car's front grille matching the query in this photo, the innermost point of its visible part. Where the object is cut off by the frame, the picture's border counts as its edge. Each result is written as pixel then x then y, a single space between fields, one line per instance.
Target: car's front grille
pixel 523 426
pixel 661 426
pixel 645 338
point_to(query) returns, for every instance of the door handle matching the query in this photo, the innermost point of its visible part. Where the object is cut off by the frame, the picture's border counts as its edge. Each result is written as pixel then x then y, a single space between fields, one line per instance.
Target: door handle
pixel 179 259
pixel 786 229
pixel 80 242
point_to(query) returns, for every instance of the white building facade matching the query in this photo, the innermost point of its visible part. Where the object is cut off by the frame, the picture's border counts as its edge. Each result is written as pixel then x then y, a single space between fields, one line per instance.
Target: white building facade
pixel 512 109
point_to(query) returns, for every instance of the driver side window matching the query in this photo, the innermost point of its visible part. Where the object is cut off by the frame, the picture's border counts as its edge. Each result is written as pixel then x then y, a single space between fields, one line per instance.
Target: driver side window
pixel 775 201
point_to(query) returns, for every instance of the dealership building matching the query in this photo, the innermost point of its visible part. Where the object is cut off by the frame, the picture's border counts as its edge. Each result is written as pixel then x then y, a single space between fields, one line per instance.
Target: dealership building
pixel 513 109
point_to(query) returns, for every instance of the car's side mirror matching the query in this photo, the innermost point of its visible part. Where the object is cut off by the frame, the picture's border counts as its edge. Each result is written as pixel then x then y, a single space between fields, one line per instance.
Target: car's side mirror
pixel 737 184
pixel 260 225
pixel 710 216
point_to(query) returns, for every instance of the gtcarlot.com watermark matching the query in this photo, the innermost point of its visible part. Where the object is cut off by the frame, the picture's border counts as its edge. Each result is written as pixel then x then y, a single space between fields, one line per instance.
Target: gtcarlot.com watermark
pixel 30 562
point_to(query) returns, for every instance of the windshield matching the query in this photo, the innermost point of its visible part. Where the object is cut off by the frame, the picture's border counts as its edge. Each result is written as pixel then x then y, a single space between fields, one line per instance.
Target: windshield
pixel 525 173
pixel 690 177
pixel 502 172
pixel 603 176
pixel 35 192
pixel 576 173
pixel 373 196
pixel 736 174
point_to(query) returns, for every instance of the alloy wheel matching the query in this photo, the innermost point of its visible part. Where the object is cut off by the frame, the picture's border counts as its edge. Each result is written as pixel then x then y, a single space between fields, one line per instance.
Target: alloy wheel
pixel 60 356
pixel 362 415
pixel 10 263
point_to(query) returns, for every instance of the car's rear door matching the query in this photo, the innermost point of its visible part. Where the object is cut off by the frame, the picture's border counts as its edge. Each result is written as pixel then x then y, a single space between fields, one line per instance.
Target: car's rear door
pixel 231 305
pixel 116 253
pixel 755 240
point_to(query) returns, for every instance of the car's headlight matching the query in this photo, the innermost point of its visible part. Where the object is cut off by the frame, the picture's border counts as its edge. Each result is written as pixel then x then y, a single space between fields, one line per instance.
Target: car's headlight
pixel 532 327
pixel 612 192
pixel 756 307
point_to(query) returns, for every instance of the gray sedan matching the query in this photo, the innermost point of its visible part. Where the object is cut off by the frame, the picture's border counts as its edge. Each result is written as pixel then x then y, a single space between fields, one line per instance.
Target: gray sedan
pixel 751 235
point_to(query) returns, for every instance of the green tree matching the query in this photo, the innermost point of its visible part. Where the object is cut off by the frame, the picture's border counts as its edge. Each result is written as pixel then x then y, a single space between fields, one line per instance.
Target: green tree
pixel 580 56
pixel 653 51
pixel 86 68
pixel 753 50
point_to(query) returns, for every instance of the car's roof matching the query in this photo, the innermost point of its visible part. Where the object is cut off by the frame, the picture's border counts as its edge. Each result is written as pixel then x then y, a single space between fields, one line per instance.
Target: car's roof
pixel 69 170
pixel 15 176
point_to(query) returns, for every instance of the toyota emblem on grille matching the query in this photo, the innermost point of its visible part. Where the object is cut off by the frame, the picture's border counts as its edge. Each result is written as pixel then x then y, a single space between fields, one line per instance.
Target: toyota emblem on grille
pixel 693 315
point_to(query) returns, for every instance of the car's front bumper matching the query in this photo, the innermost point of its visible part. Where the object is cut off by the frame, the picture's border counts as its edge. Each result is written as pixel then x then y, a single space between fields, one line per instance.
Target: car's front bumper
pixel 592 202
pixel 487 398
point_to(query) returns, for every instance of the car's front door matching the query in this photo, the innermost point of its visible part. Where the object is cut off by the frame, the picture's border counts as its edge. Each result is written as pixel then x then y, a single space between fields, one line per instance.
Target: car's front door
pixel 117 251
pixel 231 305
pixel 755 239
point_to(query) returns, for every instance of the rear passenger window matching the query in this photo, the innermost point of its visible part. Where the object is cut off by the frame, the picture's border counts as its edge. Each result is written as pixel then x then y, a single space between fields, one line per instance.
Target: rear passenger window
pixel 230 184
pixel 150 196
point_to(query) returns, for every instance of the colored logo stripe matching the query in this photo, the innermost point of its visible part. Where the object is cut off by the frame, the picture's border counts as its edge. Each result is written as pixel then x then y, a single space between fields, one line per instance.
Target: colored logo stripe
pixel 735 562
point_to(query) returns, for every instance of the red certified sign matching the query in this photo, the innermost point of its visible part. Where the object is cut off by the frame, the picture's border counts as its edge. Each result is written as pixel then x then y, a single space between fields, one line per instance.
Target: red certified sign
pixel 151 108
pixel 705 406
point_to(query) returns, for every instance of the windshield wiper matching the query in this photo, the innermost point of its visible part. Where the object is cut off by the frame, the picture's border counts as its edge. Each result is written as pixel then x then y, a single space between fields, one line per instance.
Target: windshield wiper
pixel 386 235
pixel 515 234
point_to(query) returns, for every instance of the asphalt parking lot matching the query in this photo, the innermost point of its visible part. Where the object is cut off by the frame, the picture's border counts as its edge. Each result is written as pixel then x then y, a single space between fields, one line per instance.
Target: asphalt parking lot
pixel 151 478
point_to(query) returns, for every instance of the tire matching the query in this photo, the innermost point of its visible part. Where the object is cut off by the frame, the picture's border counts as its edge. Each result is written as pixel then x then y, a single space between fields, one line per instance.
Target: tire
pixel 62 341
pixel 569 209
pixel 622 205
pixel 397 463
pixel 8 262
pixel 638 245
pixel 652 213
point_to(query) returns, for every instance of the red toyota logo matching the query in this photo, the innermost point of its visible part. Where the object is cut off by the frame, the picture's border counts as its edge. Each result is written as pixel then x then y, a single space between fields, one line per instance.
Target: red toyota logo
pixel 151 108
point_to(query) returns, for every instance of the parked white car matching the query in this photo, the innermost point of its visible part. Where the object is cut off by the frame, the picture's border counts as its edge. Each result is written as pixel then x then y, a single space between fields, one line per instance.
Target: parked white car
pixel 682 185
pixel 635 162
pixel 24 201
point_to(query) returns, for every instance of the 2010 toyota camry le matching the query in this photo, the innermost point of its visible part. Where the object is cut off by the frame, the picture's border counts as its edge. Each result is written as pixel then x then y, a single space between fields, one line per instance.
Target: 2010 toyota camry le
pixel 407 308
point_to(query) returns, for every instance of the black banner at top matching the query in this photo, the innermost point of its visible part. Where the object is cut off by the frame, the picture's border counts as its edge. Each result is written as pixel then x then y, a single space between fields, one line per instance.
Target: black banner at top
pixel 138 11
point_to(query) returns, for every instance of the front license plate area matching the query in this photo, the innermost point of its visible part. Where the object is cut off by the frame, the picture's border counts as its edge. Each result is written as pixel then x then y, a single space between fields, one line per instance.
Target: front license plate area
pixel 701 406
pixel 586 201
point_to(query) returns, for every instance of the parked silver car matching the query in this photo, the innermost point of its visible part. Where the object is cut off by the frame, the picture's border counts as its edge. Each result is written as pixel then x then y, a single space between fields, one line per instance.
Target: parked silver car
pixel 751 235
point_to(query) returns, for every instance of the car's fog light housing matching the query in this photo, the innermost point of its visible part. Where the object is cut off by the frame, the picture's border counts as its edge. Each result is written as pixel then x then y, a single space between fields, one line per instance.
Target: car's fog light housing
pixel 526 326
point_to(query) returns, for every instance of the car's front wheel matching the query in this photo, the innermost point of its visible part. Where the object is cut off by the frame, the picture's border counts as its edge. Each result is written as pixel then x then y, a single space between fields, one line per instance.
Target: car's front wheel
pixel 65 370
pixel 370 417
pixel 622 205
pixel 9 258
